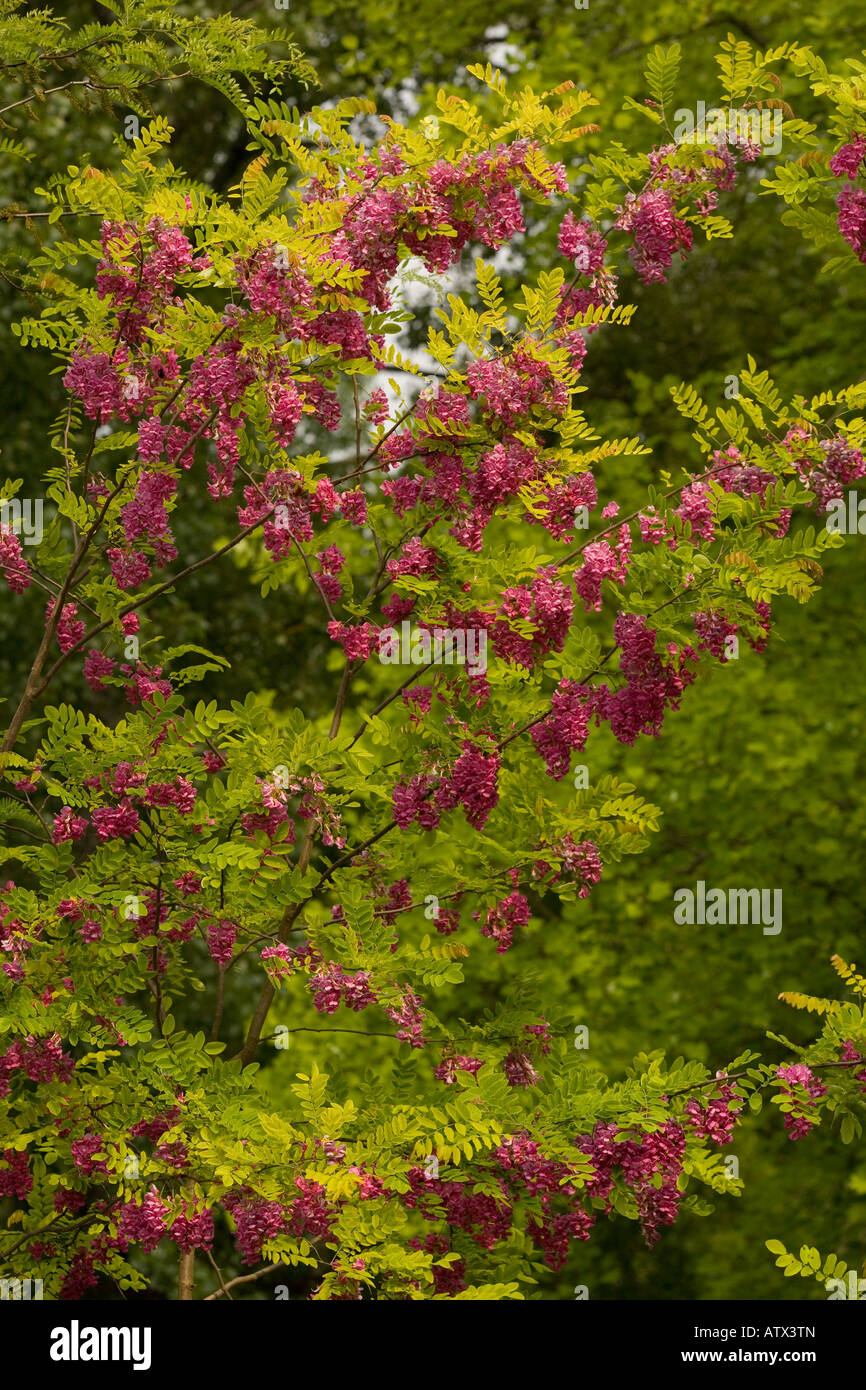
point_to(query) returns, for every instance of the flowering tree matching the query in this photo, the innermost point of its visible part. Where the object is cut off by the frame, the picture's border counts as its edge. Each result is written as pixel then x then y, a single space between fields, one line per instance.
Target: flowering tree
pixel 209 346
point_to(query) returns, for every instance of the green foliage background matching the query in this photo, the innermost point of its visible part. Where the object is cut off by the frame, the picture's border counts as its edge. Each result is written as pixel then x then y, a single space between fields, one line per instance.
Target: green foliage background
pixel 759 776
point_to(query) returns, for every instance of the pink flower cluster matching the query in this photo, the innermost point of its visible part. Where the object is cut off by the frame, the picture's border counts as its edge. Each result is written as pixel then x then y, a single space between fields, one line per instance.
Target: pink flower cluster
pixel 582 243
pixel 408 1014
pixel 718 1118
pixel 448 1279
pixel 15 568
pixel 501 920
pixel 472 784
pixel 797 1123
pixel 15 1177
pixel 850 1053
pixel 547 604
pixel 650 1164
pixel 638 707
pixel 83 1150
pixel 510 389
pixel 825 466
pixel 39 1059
pixel 485 1218
pixel 847 163
pixel 658 233
pixel 332 986
pixel 122 821
pixel 601 560
pixel 309 1215
pixel 144 1223
pixel 581 863
pixel 221 940
pixel 651 215
pixel 193 1230
pixel 452 1063
pixel 848 159
pixel 714 634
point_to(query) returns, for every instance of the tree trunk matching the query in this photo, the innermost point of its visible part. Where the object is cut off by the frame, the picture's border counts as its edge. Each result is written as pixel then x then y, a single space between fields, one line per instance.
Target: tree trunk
pixel 185 1274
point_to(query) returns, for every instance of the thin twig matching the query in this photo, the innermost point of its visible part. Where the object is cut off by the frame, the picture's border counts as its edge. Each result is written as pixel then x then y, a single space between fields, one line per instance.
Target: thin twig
pixel 245 1279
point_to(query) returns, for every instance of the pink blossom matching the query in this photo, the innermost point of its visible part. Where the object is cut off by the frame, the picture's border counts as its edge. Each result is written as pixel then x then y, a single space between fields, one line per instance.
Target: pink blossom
pixel 96 667
pixel 193 1231
pixel 15 568
pixel 117 822
pixel 658 233
pixel 15 1178
pixel 69 632
pixel 847 160
pixel 851 204
pixel 501 920
pixel 144 1224
pixel 582 243
pixel 68 826
pixel 221 940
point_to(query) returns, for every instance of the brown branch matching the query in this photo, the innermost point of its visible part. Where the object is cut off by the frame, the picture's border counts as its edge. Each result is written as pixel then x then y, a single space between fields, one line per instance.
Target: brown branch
pixel 88 82
pixel 147 598
pixel 32 686
pixel 245 1279
pixel 257 1023
pixel 219 1274
pixel 33 689
pixel 383 704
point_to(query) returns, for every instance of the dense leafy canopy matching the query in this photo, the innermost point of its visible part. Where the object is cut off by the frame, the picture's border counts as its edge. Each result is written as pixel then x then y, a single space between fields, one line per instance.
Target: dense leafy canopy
pixel 390 355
